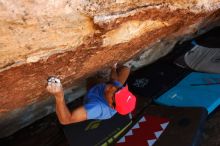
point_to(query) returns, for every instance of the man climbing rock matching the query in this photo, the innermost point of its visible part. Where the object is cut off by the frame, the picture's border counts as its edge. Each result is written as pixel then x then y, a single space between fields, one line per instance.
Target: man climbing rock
pixel 102 100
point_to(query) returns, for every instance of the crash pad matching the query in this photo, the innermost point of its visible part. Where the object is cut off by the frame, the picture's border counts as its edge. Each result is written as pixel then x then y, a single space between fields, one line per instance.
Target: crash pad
pixel 156 78
pixel 166 126
pixel 96 132
pixel 200 58
pixel 195 90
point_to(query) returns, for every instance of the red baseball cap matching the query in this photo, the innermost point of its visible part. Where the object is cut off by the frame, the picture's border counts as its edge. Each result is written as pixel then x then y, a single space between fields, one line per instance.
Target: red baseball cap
pixel 125 101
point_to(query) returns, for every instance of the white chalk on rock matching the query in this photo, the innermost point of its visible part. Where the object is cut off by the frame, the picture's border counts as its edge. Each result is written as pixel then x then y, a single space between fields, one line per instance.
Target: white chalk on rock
pixel 54 80
pixel 115 65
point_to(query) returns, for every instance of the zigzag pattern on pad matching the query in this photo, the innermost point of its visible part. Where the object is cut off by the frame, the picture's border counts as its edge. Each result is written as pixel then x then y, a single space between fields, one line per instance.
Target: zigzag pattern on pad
pixel 145 132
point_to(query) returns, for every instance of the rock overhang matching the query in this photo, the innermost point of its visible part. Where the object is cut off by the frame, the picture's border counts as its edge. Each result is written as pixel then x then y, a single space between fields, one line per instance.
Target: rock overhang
pixel 74 39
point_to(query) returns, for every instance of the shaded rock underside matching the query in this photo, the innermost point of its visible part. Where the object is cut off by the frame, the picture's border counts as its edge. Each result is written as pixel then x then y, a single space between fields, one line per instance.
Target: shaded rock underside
pixel 75 39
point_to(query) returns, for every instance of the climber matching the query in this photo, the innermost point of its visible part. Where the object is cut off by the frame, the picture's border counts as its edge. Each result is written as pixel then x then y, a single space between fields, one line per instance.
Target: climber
pixel 102 101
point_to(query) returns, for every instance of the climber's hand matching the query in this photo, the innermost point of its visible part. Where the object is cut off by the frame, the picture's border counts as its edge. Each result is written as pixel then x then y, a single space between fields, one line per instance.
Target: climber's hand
pixel 54 87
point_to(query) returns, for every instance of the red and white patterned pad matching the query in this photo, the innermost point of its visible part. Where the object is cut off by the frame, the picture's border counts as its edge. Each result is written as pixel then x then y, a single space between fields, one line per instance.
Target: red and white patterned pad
pixel 145 132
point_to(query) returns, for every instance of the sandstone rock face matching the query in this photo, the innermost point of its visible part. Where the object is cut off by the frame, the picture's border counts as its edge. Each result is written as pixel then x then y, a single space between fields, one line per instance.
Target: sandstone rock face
pixel 73 39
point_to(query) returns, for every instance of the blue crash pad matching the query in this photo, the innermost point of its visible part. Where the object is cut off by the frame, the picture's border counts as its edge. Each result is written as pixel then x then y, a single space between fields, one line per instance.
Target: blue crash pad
pixel 195 90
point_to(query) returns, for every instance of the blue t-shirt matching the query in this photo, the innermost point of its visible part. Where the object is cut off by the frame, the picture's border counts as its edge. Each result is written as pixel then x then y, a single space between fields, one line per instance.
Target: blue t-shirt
pixel 96 105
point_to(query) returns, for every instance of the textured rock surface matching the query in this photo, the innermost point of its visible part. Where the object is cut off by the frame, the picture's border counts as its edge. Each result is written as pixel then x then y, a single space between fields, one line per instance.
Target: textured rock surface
pixel 73 39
